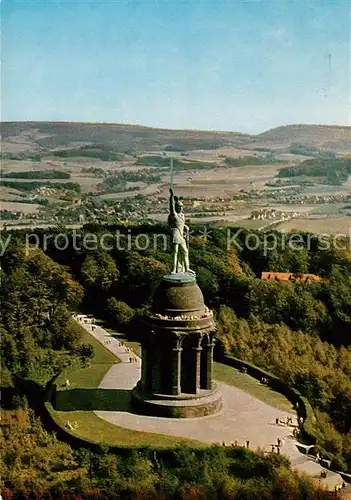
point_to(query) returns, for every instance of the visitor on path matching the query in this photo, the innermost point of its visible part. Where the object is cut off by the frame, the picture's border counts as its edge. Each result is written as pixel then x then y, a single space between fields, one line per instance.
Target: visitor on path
pixel 247 444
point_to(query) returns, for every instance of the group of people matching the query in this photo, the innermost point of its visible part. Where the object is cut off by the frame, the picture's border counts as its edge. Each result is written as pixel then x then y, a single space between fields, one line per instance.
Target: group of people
pixel 288 421
pixel 234 444
pixel 275 447
pixel 339 487
pixel 131 359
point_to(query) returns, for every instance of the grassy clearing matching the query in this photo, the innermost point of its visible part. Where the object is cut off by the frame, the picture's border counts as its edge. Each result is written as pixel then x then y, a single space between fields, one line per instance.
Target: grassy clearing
pixel 90 399
pixel 84 396
pixel 88 377
pixel 243 381
pixel 102 354
pixel 92 375
pixel 89 426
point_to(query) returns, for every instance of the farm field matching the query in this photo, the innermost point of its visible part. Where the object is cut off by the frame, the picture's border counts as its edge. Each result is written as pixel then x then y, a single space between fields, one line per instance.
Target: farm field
pixel 327 225
pixel 26 208
pixel 226 194
pixel 10 194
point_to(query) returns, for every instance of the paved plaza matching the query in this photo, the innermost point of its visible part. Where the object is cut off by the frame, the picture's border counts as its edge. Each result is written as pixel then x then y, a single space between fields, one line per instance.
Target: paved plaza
pixel 243 419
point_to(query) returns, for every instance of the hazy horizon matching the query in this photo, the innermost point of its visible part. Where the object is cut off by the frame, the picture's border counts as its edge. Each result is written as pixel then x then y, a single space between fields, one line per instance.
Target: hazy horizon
pixel 242 66
pixel 177 129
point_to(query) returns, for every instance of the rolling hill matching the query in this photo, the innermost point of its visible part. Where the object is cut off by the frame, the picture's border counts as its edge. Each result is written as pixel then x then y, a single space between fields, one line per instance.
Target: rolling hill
pixel 122 138
pixel 31 137
pixel 304 138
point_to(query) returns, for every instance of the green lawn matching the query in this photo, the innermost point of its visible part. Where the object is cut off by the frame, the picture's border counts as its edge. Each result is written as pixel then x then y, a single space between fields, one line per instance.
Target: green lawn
pixel 88 377
pixel 102 354
pixel 243 381
pixel 89 426
pixel 84 396
pixel 95 372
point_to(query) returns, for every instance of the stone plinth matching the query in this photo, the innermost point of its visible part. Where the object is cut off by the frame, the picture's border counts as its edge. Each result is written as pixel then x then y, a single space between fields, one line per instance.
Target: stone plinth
pixel 177 353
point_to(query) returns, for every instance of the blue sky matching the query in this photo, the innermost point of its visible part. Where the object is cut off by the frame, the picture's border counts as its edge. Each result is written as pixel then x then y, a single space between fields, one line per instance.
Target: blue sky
pixel 227 65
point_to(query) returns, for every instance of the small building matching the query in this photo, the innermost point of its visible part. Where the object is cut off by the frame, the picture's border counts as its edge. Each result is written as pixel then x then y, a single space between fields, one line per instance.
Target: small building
pixel 188 203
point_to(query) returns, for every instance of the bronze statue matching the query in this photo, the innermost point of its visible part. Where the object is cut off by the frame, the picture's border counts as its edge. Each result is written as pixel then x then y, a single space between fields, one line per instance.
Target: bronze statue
pixel 176 222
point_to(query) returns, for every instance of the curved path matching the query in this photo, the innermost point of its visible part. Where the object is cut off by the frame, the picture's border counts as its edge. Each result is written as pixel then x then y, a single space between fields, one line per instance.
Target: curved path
pixel 243 418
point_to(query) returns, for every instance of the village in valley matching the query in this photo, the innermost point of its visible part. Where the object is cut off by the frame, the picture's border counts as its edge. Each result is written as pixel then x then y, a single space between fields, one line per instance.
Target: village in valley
pixel 273 179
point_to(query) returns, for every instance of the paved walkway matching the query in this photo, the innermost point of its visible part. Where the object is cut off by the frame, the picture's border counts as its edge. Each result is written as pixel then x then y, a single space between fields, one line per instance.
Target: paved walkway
pixel 243 417
pixel 115 343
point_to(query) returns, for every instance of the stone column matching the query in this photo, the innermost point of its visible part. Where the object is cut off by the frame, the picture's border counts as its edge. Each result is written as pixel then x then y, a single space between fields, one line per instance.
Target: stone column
pixel 148 371
pixel 176 367
pixel 209 365
pixel 156 368
pixel 144 366
pixel 195 382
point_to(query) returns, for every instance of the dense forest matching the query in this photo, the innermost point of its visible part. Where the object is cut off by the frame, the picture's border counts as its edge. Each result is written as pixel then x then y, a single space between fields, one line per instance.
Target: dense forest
pixel 37 174
pixel 118 181
pixel 31 185
pixel 243 161
pixel 35 463
pixel 98 151
pixel 299 331
pixel 334 171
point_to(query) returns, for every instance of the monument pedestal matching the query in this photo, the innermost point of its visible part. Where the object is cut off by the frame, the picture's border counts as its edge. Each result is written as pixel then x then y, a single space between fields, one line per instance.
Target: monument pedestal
pixel 181 406
pixel 177 353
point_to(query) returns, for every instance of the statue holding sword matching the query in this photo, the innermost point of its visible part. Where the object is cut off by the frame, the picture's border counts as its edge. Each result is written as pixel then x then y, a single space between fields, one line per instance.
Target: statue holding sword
pixel 176 222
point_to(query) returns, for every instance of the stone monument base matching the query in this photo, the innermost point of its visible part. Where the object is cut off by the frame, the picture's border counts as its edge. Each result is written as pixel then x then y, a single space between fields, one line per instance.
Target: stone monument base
pixel 182 406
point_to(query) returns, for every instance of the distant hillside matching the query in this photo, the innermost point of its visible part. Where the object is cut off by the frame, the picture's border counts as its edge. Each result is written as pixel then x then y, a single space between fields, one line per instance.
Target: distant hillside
pixel 37 136
pixel 304 139
pixel 32 137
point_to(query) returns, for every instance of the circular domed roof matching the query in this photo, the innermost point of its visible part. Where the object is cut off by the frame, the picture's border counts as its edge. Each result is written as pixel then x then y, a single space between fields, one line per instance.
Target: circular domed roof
pixel 178 295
